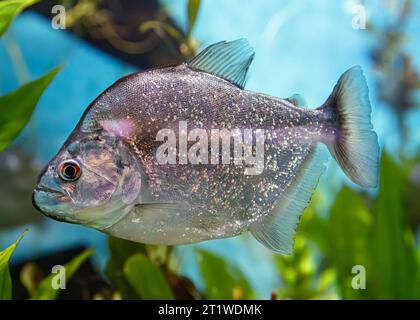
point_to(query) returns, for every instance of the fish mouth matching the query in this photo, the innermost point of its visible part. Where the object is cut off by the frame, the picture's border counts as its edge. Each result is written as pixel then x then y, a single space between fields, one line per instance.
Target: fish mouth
pixel 48 190
pixel 52 207
pixel 34 203
pixel 50 215
pixel 57 195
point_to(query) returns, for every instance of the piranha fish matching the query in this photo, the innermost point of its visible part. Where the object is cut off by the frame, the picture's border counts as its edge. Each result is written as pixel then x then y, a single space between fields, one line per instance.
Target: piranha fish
pixel 106 175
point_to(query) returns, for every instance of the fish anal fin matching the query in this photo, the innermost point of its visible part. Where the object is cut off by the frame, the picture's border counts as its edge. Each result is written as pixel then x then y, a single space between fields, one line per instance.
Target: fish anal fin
pixel 277 232
pixel 227 60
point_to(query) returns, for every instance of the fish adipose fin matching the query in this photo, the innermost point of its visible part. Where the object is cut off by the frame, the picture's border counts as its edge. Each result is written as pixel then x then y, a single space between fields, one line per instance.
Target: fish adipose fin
pixel 354 145
pixel 227 60
pixel 277 231
pixel 298 101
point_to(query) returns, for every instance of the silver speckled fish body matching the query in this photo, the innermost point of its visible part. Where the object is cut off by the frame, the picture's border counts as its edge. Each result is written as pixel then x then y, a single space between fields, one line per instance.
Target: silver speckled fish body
pixel 185 203
pixel 216 200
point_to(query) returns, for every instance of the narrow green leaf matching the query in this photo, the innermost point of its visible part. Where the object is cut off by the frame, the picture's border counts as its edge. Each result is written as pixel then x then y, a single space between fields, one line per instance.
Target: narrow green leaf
pixel 9 9
pixel 45 290
pixel 393 253
pixel 16 107
pixel 120 251
pixel 30 276
pixel 222 280
pixel 5 280
pixel 193 7
pixel 348 238
pixel 147 279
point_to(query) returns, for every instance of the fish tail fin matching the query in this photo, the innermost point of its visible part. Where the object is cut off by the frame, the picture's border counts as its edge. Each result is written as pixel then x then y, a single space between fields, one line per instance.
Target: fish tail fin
pixel 353 144
pixel 278 229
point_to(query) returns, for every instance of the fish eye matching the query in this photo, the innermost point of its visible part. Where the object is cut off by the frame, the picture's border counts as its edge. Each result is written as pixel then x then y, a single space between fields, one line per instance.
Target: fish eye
pixel 70 170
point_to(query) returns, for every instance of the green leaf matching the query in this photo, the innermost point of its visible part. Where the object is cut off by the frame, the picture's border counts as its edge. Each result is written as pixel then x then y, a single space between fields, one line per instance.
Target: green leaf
pixel 193 7
pixel 5 280
pixel 222 280
pixel 348 238
pixel 16 107
pixel 299 273
pixel 9 9
pixel 30 277
pixel 120 251
pixel 45 290
pixel 393 253
pixel 147 279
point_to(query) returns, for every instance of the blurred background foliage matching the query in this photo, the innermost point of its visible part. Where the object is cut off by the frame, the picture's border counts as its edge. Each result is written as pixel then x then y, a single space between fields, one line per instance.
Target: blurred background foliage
pixel 376 230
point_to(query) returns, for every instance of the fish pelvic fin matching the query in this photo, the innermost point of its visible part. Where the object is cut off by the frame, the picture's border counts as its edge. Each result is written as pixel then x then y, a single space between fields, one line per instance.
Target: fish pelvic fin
pixel 278 230
pixel 354 143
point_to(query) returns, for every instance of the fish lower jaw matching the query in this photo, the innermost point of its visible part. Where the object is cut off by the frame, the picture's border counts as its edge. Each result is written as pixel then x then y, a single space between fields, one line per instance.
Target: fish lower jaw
pixel 60 218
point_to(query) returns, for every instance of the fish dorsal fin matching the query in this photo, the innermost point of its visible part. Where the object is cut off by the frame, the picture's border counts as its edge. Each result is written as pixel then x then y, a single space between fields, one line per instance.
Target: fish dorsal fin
pixel 227 60
pixel 297 100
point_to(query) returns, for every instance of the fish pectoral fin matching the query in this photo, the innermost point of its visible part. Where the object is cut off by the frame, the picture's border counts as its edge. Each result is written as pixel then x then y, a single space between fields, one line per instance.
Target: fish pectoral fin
pixel 277 231
pixel 161 207
pixel 298 101
pixel 227 60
